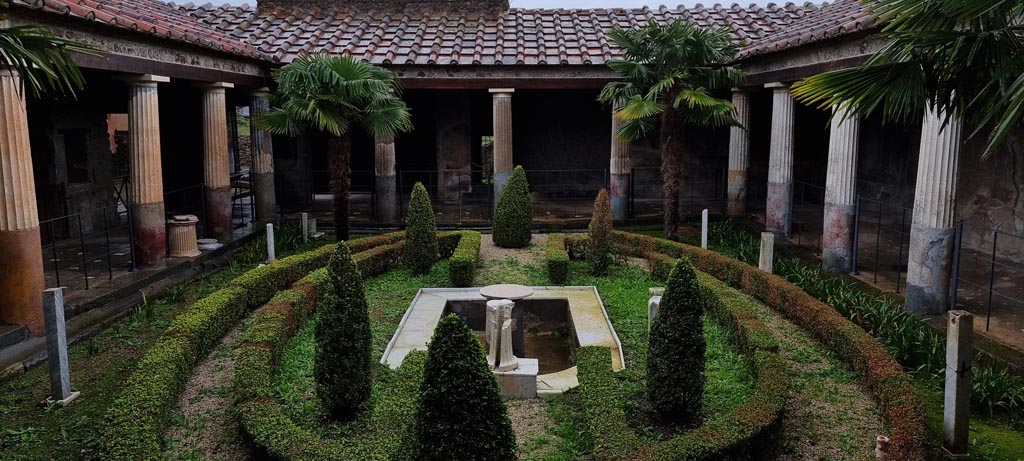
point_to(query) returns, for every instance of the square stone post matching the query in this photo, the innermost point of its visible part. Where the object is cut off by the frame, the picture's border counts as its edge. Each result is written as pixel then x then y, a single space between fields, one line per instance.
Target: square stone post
pixel 57 347
pixel 146 173
pixel 502 98
pixel 779 208
pixel 263 191
pixel 619 172
pixel 739 150
pixel 21 272
pixel 956 410
pixel 840 192
pixel 216 173
pixel 766 261
pixel 385 183
pixel 931 233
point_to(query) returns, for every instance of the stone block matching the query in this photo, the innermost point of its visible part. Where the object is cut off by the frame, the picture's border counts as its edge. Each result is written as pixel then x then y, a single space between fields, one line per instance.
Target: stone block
pixel 520 383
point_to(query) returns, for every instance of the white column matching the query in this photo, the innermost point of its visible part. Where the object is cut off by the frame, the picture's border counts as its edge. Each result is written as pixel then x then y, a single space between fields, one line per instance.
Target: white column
pixel 502 98
pixel 739 149
pixel 780 162
pixel 216 170
pixel 840 192
pixel 932 231
pixel 146 172
pixel 261 140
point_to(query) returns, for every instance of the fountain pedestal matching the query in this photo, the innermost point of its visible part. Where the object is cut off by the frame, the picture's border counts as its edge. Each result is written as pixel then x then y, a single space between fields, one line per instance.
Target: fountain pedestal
pixel 517 377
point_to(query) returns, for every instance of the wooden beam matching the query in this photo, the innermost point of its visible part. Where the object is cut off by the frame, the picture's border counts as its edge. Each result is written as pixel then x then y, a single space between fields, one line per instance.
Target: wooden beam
pixel 518 83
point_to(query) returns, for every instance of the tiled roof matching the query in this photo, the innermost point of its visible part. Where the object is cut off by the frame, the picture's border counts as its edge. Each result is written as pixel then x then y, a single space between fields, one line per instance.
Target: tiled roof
pixel 840 18
pixel 151 17
pixel 517 36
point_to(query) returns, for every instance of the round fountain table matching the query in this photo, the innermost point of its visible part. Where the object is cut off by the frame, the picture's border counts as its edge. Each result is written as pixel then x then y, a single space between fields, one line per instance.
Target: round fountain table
pixel 506 291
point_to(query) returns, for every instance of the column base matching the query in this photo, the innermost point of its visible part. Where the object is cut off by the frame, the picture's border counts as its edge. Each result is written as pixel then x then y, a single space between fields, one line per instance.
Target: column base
pixel 150 234
pixel 779 208
pixel 21 279
pixel 737 187
pixel 218 213
pixel 386 204
pixel 264 197
pixel 500 179
pixel 929 269
pixel 619 196
pixel 837 238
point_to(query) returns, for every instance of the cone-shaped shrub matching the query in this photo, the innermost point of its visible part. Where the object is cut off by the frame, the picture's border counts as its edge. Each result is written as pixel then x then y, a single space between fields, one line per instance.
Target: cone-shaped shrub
pixel 461 413
pixel 514 214
pixel 600 253
pixel 421 248
pixel 675 364
pixel 342 367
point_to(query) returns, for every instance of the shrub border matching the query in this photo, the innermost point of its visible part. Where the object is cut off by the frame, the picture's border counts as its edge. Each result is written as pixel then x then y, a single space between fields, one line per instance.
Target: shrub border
pixel 464 259
pixel 899 400
pixel 557 259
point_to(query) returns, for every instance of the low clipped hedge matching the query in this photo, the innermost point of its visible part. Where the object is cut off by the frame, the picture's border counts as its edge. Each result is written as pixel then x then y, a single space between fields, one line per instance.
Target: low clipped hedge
pixel 747 432
pixel 899 400
pixel 464 259
pixel 135 422
pixel 557 259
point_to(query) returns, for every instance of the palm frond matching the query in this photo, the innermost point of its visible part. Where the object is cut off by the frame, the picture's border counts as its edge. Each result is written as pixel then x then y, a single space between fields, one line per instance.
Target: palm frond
pixel 43 59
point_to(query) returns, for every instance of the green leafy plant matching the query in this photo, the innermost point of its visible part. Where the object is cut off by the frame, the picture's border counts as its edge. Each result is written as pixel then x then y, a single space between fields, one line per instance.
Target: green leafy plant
pixel 600 235
pixel 342 368
pixel 464 259
pixel 461 414
pixel 514 214
pixel 421 249
pixel 557 259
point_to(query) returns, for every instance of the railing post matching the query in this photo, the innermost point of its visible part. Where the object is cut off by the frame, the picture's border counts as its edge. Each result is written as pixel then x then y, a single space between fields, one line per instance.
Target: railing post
pixel 991 277
pixel 856 236
pixel 956 263
pixel 81 244
pixel 106 235
pixel 53 247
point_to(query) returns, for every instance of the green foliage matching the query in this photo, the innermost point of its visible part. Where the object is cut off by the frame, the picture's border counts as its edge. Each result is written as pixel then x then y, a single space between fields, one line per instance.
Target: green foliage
pixel 600 235
pixel 342 368
pixel 465 259
pixel 675 368
pixel 43 59
pixel 601 401
pixel 557 259
pixel 461 414
pixel 421 249
pixel 514 214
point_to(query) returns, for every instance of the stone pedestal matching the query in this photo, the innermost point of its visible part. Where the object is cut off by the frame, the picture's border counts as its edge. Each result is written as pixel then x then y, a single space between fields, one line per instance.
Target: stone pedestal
pixel 520 383
pixel 653 305
pixel 216 172
pixel 502 138
pixel 264 193
pixel 147 187
pixel 932 232
pixel 957 402
pixel 181 237
pixel 385 184
pixel 840 193
pixel 779 207
pixel 21 273
pixel 739 149
pixel 619 171
pixel 766 261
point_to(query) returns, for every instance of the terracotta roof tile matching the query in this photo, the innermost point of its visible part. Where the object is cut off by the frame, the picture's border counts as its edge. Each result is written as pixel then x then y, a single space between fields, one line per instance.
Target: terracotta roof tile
pixel 840 18
pixel 148 16
pixel 517 36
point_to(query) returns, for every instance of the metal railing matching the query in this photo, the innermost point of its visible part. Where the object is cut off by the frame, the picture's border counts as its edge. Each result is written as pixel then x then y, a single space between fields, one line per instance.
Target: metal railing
pixel 466 196
pixel 242 198
pixel 187 200
pixel 808 213
pixel 987 278
pixel 82 248
pixel 701 188
pixel 879 225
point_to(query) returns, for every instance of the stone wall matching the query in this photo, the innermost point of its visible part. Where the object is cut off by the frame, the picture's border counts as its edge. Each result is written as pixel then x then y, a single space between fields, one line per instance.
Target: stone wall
pixel 990 194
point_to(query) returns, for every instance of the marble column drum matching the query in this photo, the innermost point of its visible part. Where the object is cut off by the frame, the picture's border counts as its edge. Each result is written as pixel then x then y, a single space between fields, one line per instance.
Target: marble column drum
pixel 739 150
pixel 779 206
pixel 216 171
pixel 264 194
pixel 146 173
pixel 619 171
pixel 840 193
pixel 21 273
pixel 385 184
pixel 932 232
pixel 502 138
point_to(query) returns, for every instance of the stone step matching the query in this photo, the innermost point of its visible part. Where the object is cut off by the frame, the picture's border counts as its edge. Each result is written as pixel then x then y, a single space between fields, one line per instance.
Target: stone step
pixel 12 334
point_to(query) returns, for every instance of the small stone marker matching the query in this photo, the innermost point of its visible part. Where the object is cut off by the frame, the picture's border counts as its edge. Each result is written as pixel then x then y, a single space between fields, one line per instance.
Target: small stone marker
pixel 271 257
pixel 767 252
pixel 653 305
pixel 704 229
pixel 957 405
pixel 57 347
pixel 305 227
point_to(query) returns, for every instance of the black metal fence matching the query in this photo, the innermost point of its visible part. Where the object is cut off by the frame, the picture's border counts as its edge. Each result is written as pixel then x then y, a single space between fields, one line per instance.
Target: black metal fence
pixel 457 196
pixel 701 188
pixel 81 246
pixel 990 278
pixel 243 206
pixel 880 227
pixel 808 213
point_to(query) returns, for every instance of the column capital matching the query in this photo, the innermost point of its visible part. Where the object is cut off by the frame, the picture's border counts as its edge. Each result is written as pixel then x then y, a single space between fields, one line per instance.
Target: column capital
pixel 261 92
pixel 144 79
pixel 741 90
pixel 777 86
pixel 215 85
pixel 502 92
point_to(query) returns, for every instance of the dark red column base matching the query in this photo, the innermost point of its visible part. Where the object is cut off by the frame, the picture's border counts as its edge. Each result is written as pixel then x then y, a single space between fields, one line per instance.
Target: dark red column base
pixel 21 279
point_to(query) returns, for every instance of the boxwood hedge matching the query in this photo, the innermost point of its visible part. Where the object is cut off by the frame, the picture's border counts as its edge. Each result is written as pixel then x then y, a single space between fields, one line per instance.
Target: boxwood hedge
pixel 464 259
pixel 557 259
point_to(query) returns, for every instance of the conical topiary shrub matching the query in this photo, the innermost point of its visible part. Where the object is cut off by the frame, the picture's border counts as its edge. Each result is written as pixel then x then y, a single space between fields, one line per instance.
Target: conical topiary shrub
pixel 675 362
pixel 600 241
pixel 420 252
pixel 461 414
pixel 342 367
pixel 514 214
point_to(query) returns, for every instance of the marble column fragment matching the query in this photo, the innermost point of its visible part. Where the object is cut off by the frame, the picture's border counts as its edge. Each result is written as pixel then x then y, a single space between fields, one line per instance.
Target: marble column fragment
pixel 739 150
pixel 779 207
pixel 146 172
pixel 216 172
pixel 264 193
pixel 502 98
pixel 840 193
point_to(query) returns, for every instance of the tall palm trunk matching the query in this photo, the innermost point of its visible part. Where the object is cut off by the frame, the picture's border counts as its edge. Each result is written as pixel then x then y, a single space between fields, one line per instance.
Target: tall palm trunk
pixel 672 127
pixel 339 154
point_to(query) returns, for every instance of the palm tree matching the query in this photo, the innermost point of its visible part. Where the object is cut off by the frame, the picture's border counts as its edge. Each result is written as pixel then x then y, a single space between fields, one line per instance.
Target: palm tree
pixel 41 58
pixel 669 73
pixel 335 95
pixel 965 57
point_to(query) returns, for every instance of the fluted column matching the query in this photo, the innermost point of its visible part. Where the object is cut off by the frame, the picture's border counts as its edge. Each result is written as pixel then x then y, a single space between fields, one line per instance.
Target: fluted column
pixel 216 172
pixel 779 207
pixel 386 203
pixel 502 138
pixel 262 149
pixel 21 272
pixel 146 174
pixel 619 172
pixel 739 149
pixel 840 193
pixel 932 231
